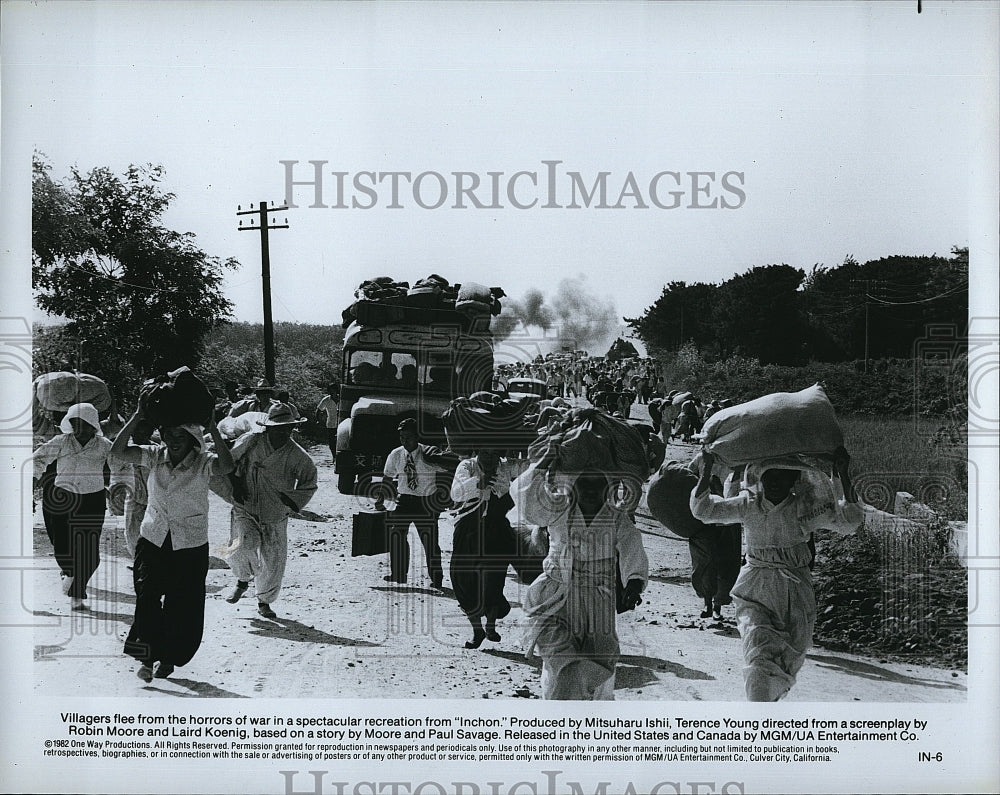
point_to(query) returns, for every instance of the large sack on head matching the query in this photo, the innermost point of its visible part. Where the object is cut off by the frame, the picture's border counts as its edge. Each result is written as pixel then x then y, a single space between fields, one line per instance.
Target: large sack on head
pixel 58 391
pixel 783 423
pixel 587 440
pixel 476 424
pixel 177 398
pixel 668 499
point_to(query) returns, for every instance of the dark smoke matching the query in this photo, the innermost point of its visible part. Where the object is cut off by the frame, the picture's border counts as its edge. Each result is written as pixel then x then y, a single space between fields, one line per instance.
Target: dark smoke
pixel 575 315
pixel 533 310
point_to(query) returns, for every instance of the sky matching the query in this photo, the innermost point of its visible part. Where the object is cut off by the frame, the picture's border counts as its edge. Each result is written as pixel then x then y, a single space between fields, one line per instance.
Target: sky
pixel 845 129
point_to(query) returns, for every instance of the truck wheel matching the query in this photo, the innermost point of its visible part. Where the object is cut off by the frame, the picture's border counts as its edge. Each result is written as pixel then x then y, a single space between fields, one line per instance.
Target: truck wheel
pixel 345 483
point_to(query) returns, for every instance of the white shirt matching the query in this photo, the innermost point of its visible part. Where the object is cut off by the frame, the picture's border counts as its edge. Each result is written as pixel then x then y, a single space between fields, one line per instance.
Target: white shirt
pixel 570 537
pixel 395 467
pixel 79 468
pixel 178 497
pixel 329 405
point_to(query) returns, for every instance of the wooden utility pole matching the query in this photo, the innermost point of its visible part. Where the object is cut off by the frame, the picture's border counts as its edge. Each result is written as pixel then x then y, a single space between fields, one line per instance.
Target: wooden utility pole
pixel 263 226
pixel 869 285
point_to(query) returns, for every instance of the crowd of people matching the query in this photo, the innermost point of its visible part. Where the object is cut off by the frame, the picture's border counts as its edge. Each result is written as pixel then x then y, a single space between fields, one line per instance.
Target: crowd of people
pixel 579 484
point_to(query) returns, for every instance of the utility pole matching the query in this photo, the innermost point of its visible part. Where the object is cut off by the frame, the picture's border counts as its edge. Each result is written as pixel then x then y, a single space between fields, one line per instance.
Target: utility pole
pixel 263 226
pixel 869 285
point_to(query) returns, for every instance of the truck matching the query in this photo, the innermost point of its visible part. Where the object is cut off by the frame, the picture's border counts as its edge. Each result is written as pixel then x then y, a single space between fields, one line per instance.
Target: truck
pixel 403 361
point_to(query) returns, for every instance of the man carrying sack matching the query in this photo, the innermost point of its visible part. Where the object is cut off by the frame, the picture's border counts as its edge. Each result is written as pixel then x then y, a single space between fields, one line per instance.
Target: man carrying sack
pixel 274 477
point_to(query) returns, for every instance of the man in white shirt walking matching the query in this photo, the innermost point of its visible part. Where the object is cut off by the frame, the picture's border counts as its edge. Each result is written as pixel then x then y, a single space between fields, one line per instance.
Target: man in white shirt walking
pixel 415 473
pixel 326 412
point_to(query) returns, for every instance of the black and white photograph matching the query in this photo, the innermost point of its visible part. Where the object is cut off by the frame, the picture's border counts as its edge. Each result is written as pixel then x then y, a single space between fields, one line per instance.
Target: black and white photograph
pixel 641 353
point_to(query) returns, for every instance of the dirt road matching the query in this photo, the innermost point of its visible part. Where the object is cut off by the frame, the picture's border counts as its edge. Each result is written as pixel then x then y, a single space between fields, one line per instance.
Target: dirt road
pixel 341 631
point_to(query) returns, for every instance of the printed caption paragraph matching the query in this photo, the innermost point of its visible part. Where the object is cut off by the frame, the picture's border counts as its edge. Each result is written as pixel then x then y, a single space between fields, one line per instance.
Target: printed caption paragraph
pixel 478 739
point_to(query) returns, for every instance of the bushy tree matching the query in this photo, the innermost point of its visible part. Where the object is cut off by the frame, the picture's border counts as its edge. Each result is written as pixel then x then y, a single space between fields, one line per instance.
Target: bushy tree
pixel 138 297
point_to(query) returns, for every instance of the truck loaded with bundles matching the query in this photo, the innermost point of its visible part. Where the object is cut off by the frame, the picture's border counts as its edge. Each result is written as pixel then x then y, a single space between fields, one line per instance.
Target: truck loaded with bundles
pixel 430 301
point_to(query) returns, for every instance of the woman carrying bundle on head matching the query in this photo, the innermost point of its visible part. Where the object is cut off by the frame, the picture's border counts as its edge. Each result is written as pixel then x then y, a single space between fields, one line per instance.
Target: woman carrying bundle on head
pixel 572 488
pixel 787 441
pixel 482 545
pixel 171 553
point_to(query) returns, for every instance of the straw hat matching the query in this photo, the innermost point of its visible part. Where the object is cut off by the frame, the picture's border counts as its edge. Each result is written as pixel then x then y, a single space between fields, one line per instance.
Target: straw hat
pixel 281 414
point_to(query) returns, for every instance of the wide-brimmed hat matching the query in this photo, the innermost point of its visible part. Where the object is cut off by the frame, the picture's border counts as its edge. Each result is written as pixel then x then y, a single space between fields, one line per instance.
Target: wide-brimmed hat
pixel 281 414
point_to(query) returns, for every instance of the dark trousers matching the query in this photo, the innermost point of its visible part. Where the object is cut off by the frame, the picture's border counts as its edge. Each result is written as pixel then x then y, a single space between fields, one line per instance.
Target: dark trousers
pixel 417 511
pixel 715 561
pixel 73 523
pixel 169 602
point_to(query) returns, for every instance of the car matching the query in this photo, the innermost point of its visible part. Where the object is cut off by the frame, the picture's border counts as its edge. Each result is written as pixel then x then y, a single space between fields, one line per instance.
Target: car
pixel 532 389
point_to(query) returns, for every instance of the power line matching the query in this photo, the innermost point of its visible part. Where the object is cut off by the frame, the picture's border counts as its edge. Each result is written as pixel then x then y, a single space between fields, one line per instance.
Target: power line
pixel 117 280
pixel 920 301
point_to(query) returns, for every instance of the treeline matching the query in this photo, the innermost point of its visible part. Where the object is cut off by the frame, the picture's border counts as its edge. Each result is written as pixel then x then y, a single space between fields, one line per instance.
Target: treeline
pixel 307 359
pixel 932 387
pixel 782 315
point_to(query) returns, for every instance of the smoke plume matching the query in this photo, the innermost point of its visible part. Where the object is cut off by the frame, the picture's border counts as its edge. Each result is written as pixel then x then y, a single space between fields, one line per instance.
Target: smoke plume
pixel 572 316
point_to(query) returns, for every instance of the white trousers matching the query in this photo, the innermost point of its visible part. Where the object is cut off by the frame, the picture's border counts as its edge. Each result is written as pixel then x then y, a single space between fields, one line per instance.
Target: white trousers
pixel 258 551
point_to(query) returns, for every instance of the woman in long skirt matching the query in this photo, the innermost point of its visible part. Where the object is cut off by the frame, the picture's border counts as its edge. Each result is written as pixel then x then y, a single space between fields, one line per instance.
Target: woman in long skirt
pixel 483 542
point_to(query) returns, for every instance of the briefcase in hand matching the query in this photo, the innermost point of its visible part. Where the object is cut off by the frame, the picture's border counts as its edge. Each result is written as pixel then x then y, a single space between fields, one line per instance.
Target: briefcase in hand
pixel 369 535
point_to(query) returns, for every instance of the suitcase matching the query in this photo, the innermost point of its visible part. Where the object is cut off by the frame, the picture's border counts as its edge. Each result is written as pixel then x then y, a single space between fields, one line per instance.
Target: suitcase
pixel 369 536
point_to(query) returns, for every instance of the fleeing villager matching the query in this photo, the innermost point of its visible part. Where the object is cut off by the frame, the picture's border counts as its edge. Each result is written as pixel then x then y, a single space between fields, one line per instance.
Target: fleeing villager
pixel 411 473
pixel 171 555
pixel 274 477
pixel 263 397
pixel 74 499
pixel 138 495
pixel 571 607
pixel 716 550
pixel 483 542
pixel 326 413
pixel 774 596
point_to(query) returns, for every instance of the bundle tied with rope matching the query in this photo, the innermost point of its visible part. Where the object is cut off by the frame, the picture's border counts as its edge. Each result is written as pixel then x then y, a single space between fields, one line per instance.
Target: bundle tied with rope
pixel 484 420
pixel 588 440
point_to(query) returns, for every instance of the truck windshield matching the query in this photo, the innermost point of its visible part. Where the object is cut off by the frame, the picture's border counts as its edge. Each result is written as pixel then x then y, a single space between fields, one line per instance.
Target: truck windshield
pixel 396 370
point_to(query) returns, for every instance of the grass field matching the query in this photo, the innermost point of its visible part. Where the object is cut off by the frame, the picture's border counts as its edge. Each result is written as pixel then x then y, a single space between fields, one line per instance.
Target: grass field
pixel 892 454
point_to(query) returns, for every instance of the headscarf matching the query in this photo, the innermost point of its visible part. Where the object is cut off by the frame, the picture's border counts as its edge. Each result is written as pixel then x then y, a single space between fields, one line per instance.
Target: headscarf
pixel 195 431
pixel 82 411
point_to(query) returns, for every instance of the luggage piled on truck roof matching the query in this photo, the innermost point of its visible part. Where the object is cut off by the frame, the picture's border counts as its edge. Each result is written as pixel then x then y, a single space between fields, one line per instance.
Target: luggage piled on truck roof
pixel 432 300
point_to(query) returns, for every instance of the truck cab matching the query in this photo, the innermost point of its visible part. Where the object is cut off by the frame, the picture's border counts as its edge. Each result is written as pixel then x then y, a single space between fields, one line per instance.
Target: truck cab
pixel 403 369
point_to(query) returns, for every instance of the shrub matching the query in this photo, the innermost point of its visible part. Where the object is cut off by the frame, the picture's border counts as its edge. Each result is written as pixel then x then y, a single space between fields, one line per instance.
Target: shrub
pixel 898 594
